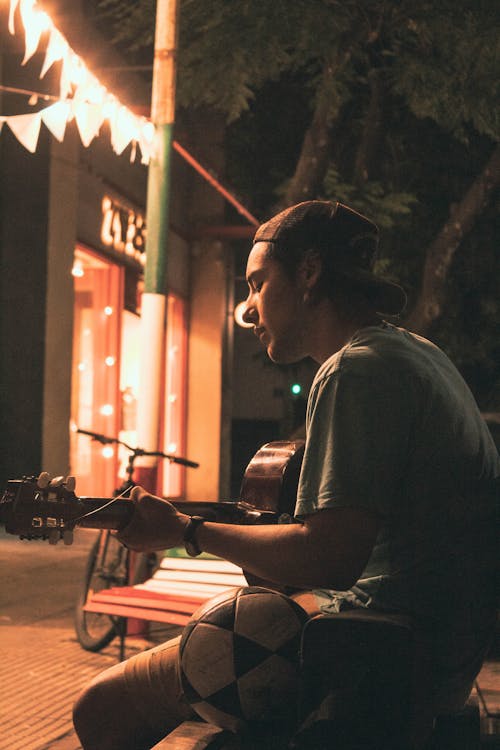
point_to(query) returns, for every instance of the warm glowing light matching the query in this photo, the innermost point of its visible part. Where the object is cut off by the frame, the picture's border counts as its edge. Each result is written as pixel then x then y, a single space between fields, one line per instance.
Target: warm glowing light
pixel 108 310
pixel 81 366
pixel 106 410
pixel 239 311
pixel 78 71
pixel 108 451
pixel 110 361
pixel 77 269
pixel 78 84
pixel 148 131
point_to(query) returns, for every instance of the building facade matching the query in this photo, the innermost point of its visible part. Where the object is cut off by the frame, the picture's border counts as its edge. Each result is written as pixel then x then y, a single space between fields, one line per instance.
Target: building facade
pixel 73 244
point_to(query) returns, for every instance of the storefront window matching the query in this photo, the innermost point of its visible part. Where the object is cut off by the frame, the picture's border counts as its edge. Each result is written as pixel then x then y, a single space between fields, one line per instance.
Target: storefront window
pixel 105 379
pixel 95 376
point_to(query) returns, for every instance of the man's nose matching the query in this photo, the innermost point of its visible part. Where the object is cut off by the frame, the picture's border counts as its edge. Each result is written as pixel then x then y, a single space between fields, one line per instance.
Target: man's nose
pixel 249 314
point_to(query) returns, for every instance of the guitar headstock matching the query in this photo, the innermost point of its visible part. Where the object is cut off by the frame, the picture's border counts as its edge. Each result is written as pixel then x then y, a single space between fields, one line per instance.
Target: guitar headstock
pixel 41 508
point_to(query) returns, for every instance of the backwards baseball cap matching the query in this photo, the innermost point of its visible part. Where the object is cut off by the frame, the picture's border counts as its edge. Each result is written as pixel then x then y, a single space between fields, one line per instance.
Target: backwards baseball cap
pixel 345 237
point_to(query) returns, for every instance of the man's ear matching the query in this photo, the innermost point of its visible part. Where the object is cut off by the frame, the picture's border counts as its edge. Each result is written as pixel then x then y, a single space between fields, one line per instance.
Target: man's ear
pixel 310 270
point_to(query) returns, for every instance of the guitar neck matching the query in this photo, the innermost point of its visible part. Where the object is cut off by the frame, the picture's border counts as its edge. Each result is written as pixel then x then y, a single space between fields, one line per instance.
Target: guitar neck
pixel 106 513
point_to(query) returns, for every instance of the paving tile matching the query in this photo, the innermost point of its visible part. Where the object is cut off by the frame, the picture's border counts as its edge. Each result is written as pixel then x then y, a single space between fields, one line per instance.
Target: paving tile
pixel 42 671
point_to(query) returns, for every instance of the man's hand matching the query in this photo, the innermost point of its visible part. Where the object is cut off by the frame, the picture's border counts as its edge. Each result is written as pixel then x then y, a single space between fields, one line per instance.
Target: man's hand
pixel 155 525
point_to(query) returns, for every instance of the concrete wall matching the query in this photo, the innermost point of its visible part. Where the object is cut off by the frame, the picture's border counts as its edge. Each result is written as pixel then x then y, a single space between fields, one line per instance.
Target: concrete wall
pixel 206 334
pixel 61 240
pixel 23 238
pixel 208 380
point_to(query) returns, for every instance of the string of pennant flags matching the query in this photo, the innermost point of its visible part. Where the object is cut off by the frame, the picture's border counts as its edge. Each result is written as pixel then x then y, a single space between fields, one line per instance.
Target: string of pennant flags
pixel 82 97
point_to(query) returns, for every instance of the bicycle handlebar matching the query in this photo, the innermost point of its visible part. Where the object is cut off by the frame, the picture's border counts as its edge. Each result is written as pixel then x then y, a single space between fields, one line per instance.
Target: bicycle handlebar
pixel 138 451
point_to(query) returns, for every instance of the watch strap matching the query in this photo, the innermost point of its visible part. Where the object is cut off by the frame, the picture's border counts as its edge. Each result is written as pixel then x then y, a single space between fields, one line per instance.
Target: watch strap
pixel 189 537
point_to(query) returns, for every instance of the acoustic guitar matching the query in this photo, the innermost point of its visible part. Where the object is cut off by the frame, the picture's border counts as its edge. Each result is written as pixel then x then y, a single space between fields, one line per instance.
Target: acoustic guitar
pixel 42 507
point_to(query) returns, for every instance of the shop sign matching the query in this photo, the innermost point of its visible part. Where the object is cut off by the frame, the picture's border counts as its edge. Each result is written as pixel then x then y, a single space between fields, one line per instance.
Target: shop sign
pixel 123 229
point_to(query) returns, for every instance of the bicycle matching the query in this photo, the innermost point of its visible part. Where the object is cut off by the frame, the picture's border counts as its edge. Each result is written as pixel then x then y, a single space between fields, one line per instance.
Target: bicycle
pixel 108 562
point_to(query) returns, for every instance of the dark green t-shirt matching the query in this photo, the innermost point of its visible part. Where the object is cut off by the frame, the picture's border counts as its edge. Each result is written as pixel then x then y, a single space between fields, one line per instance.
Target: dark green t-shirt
pixel 392 427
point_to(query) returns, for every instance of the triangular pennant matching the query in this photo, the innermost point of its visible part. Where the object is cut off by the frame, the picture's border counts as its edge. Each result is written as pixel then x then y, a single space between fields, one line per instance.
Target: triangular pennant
pixel 146 151
pixel 247 654
pixel 56 49
pixel 13 7
pixel 36 25
pixel 56 117
pixel 26 128
pixel 65 79
pixel 89 118
pixel 147 140
pixel 123 129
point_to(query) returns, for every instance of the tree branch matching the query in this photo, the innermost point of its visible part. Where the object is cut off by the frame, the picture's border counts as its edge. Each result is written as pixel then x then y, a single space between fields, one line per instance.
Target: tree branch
pixel 441 251
pixel 313 160
pixel 372 129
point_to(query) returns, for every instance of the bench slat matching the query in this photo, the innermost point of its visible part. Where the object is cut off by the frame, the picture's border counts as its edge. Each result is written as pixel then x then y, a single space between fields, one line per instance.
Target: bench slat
pixel 138 598
pixel 199 563
pixel 141 613
pixel 196 588
pixel 228 579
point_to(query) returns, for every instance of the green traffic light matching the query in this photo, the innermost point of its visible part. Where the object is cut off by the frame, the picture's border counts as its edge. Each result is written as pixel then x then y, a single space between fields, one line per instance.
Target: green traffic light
pixel 296 389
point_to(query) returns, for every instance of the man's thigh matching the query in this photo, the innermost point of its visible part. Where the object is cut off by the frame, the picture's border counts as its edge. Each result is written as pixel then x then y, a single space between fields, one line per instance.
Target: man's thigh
pixel 153 683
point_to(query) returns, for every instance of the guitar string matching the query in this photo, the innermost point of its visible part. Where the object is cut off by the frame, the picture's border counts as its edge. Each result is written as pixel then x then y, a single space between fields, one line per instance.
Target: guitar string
pixel 103 507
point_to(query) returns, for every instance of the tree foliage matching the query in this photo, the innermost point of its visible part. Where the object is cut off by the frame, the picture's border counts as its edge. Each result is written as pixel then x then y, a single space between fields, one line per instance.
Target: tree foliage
pixel 389 105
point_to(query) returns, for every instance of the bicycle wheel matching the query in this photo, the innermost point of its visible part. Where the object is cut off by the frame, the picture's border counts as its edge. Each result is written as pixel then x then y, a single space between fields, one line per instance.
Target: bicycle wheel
pixel 107 566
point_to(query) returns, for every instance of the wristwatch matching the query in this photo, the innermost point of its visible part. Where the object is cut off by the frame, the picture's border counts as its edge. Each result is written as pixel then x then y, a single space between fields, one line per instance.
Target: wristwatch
pixel 189 536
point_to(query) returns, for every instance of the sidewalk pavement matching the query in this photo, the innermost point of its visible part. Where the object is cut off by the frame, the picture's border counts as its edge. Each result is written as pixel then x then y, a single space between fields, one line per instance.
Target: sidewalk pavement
pixel 43 669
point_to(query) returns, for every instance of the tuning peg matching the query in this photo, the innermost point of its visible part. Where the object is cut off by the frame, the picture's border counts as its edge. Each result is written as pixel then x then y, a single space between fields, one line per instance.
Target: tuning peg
pixel 70 484
pixel 68 537
pixel 56 482
pixel 43 480
pixel 54 536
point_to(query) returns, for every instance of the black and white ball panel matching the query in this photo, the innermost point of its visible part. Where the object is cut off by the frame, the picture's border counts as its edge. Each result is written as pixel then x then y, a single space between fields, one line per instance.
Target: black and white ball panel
pixel 239 656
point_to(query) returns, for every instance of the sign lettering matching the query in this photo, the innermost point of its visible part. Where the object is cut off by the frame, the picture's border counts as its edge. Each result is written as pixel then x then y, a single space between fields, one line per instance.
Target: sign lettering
pixel 123 229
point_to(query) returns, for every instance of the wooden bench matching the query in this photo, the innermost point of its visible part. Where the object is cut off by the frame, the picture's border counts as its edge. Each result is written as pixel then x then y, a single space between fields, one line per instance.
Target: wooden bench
pixel 177 588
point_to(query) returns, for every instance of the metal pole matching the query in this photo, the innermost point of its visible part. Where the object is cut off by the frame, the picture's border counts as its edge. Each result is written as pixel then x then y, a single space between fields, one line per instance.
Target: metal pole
pixel 153 312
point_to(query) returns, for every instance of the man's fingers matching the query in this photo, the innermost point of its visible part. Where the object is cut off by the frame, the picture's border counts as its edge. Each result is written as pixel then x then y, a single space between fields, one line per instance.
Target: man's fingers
pixel 137 492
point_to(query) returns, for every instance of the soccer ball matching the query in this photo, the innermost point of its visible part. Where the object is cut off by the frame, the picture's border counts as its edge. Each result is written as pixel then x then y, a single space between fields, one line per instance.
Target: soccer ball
pixel 239 658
